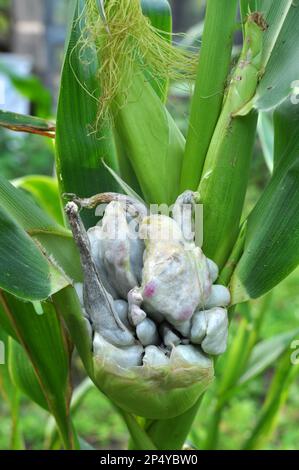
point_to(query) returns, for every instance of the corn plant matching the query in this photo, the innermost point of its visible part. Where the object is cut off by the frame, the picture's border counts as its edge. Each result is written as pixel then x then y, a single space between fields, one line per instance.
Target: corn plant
pixel 148 315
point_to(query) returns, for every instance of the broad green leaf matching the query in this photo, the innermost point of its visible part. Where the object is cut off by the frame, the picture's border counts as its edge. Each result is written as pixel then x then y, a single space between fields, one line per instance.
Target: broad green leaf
pixel 5 323
pixel 266 136
pixel 25 272
pixel 23 123
pixel 266 354
pixel 56 241
pixel 68 307
pixel 78 396
pixel 272 245
pixel 26 213
pixel 43 338
pixel 11 395
pixel 276 397
pixel 44 190
pixel 23 374
pixel 286 126
pixel 81 143
pixel 282 69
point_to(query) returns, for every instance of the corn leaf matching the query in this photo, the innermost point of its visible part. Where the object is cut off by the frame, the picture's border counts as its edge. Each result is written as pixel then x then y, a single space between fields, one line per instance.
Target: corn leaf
pixel 44 190
pixel 22 123
pixel 265 354
pixel 49 357
pixel 272 245
pixel 23 374
pixel 56 241
pixel 276 397
pixel 25 272
pixel 79 394
pixel 11 395
pixel 68 307
pixel 286 125
pixel 266 137
pixel 282 70
pixel 80 146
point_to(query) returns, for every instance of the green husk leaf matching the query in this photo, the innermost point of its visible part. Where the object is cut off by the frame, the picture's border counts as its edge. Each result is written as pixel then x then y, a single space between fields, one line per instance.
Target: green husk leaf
pixel 80 143
pixel 152 142
pixel 132 39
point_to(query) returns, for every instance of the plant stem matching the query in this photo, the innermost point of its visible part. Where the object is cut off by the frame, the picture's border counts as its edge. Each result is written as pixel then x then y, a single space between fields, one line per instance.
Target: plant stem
pixel 170 434
pixel 213 69
pixel 140 438
pixel 225 174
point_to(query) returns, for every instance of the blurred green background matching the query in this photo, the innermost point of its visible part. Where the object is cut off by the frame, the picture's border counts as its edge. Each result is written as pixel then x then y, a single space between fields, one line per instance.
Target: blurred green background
pixel 26 154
